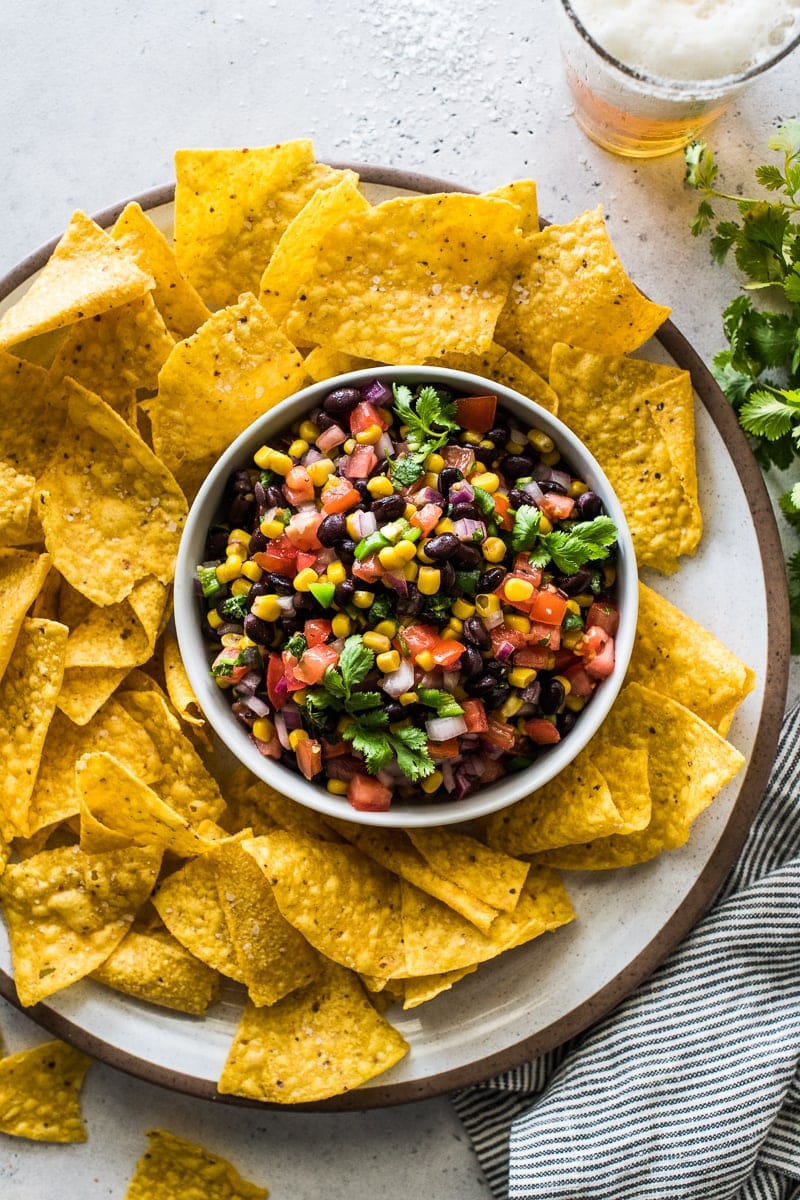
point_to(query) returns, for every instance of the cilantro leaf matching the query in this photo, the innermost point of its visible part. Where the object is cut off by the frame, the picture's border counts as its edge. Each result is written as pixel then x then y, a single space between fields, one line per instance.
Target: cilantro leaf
pixel 770 414
pixel 568 548
pixel 296 645
pixel 525 531
pixel 445 704
pixel 374 745
pixel 410 747
pixel 355 662
pixel 235 608
pixel 406 470
pixel 364 701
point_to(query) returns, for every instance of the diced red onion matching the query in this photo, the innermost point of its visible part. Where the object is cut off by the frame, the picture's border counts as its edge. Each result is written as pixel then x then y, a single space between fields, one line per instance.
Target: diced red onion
pixel 333 436
pixel 281 730
pixel 504 651
pixel 286 605
pixel 533 490
pixel 429 495
pixel 311 456
pixel 463 784
pixel 364 522
pixel 384 447
pixel 399 681
pixel 461 493
pixel 450 680
pixel 397 582
pixel 292 718
pixel 248 684
pixel 468 530
pixel 378 393
pixel 431 679
pixel 550 475
pixel 442 729
pixel 448 776
pixel 492 620
pixel 256 705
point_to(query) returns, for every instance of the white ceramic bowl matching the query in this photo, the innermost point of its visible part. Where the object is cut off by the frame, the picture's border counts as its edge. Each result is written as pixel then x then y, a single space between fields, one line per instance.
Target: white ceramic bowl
pixel 215 702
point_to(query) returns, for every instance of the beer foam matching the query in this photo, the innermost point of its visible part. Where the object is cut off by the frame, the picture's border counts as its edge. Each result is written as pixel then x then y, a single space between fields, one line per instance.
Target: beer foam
pixel 690 39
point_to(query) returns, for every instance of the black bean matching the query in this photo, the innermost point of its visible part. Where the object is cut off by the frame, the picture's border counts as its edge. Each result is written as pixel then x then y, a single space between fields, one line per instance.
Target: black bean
pixel 476 633
pixel 281 585
pixel 388 508
pixel 491 579
pixel 552 696
pixel 481 685
pixel 257 630
pixel 341 401
pixel 470 662
pixel 395 712
pixel 344 592
pixel 274 497
pixel 467 557
pixel 332 529
pixel 242 510
pixel 216 543
pixel 257 543
pixel 447 477
pixel 346 549
pixel 442 546
pixel 496 697
pixel 361 487
pixel 447 577
pixel 412 603
pixel 262 588
pixel 516 465
pixel 573 585
pixel 239 482
pixel 532 692
pixel 516 498
pixel 589 506
pixel 323 422
pixel 565 721
pixel 498 434
pixel 304 602
pixel 497 669
pixel 464 511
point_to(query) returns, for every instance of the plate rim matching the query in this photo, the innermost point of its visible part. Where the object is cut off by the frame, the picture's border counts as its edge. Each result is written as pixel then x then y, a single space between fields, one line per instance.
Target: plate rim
pixel 700 896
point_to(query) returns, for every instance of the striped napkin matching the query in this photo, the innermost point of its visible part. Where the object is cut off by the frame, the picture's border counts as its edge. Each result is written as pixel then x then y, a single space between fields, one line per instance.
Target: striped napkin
pixel 690 1089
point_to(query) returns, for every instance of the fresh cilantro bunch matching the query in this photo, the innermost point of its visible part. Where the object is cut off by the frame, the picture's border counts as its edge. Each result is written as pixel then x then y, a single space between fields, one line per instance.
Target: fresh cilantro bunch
pixel 569 547
pixel 430 418
pixel 760 370
pixel 368 723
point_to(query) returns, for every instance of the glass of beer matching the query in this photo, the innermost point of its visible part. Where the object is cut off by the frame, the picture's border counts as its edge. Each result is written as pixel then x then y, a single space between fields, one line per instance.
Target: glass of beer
pixel 647 76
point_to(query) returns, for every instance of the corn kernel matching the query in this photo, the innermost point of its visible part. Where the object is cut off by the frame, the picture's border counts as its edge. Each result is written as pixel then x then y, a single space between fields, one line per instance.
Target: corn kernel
pixel 432 783
pixel 574 607
pixel 319 470
pixel 456 624
pixel 387 661
pixel 349 446
pixel 430 479
pixel 486 444
pixel 472 438
pixel 425 660
pixel 369 436
pixel 341 625
pixel 565 683
pixel 541 441
pixel 462 609
pixel 551 459
pixel 478 468
pixel 271 529
pixel 337 787
pixel 584 599
pixel 519 622
pixel 309 431
pixel 494 549
pixel 263 729
pixel 337 571
pixel 486 603
pixel 460 693
pixel 429 580
pixel 514 447
pixel 445 525
pixel 363 599
pixel 407 698
pixel 521 677
pixel 577 488
pixel 231 569
pixel 434 462
pixel 273 460
pixel 450 634
pixel 387 628
pixel 390 559
pixel 300 696
pixel 609 574
pixel 487 480
pixel 544 525
pixel 298 448
pixel 238 537
pixel 518 589
pixel 511 707
pixel 252 571
pixel 245 642
pixel 410 571
pixel 353 526
pixel 303 579
pixel 214 619
pixel 296 737
pixel 570 640
pixel 421 555
pixel 266 608
pixel 376 641
pixel 410 511
pixel 407 550
pixel 380 486
pixel 575 703
pixel 240 586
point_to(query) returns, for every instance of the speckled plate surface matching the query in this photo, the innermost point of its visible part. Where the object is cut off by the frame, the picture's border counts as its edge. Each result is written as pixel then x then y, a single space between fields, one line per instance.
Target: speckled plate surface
pixel 537 996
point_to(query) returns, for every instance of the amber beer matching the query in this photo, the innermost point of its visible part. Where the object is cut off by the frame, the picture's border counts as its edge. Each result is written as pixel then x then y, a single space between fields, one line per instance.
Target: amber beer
pixel 648 77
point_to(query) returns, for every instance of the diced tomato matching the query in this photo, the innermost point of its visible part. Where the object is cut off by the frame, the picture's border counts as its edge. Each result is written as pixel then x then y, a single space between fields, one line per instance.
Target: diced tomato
pixel 335 749
pixel 556 507
pixel 602 664
pixel 229 654
pixel 426 518
pixel 542 732
pixel 548 607
pixel 334 435
pixel 291 680
pixel 501 511
pixel 276 682
pixel 278 557
pixel 476 412
pixel 447 652
pixel 302 530
pixel 523 566
pixel 537 657
pixel 418 638
pixel 548 636
pixel 605 615
pixel 369 569
pixel 309 757
pixel 504 633
pixel 305 559
pixel 297 485
pixel 462 457
pixel 591 643
pixel 368 795
pixel 338 495
pixel 475 716
pixel 361 463
pixel 500 733
pixel 270 749
pixel 314 663
pixel 580 683
pixel 364 415
pixel 316 631
pixel 441 750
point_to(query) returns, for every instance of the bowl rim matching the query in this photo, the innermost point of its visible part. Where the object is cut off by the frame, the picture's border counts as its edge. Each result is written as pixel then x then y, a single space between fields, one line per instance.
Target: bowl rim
pixel 212 700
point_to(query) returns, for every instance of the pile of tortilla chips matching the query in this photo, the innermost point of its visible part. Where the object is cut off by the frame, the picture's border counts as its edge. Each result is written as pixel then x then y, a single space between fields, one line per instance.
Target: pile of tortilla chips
pixel 128 853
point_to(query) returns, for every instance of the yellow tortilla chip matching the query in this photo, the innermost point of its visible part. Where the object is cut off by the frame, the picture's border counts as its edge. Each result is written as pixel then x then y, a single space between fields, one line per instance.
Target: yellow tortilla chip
pixel 122 634
pixel 175 1169
pixel 502 366
pixel 322 363
pixel 86 689
pixel 40 1093
pixel 22 575
pixel 688 764
pixel 428 987
pixel 268 805
pixel 676 656
pixel 523 193
pixel 320 1041
pixel 628 444
pixel 153 966
pixel 16 499
pixel 345 905
pixel 189 905
pixel 293 259
pixel 175 298
pixel 177 683
pixel 231 208
pixel 572 287
pixel 410 279
pixel 87 274
pixel 115 353
pixel 106 489
pixel 215 383
pixel 492 876
pixel 66 911
pixel 29 424
pixel 28 692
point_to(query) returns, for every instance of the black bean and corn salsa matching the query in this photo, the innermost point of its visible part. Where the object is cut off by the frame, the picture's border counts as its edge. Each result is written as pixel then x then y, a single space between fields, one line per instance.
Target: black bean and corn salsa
pixel 408 595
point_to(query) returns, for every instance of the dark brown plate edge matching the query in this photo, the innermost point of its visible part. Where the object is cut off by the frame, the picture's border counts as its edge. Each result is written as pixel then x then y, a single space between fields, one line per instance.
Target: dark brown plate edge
pixel 697 901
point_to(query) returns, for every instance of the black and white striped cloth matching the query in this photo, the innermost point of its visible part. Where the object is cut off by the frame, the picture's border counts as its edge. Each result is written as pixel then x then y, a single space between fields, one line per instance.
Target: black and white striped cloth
pixel 690 1089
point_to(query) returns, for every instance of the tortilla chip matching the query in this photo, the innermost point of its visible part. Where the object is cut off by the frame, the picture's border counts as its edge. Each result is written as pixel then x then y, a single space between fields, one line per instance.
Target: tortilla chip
pixel 122 634
pixel 271 806
pixel 293 259
pixel 177 683
pixel 188 903
pixel 40 1093
pixel 503 367
pixel 322 363
pixel 676 656
pixel 620 431
pixel 231 208
pixel 494 877
pixel 573 288
pixel 28 692
pixel 345 905
pixel 66 911
pixel 410 279
pixel 153 966
pixel 86 274
pixel 214 384
pixel 105 489
pixel 175 298
pixel 16 499
pixel 523 193
pixel 688 765
pixel 428 987
pixel 29 426
pixel 115 353
pixel 22 575
pixel 320 1041
pixel 175 1169
pixel 85 690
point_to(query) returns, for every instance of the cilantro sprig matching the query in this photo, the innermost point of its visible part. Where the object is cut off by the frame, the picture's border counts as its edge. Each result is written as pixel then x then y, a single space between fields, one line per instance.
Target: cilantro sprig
pixel 569 548
pixel 429 417
pixel 760 370
pixel 367 728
